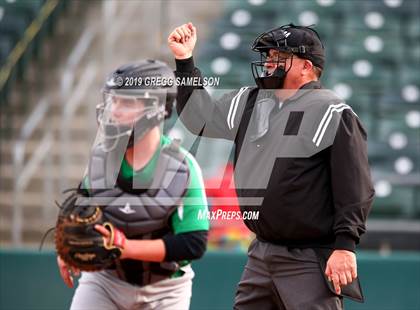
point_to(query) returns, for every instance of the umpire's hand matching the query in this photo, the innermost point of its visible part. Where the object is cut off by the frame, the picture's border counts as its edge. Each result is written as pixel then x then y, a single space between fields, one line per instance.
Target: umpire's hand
pixel 341 268
pixel 182 40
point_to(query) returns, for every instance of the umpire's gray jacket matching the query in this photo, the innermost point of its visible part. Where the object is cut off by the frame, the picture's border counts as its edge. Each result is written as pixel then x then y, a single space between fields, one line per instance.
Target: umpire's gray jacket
pixel 305 157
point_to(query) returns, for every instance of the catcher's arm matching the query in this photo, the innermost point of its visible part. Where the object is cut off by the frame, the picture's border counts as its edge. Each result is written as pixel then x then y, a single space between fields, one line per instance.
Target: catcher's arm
pixel 183 246
pixel 145 250
pixel 67 272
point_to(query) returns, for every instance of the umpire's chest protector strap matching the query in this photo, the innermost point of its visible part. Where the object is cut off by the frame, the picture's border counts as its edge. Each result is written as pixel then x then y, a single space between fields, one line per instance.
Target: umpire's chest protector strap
pixel 140 215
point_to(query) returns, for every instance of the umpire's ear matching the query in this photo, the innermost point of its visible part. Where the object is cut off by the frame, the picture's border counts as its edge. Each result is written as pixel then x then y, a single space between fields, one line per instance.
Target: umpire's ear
pixel 307 68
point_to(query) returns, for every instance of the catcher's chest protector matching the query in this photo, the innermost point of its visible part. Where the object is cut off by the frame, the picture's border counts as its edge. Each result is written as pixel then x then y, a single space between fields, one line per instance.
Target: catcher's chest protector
pixel 140 215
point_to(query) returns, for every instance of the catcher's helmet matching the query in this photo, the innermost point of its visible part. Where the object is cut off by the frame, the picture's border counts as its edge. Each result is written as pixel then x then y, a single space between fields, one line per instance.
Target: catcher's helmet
pixel 301 41
pixel 150 83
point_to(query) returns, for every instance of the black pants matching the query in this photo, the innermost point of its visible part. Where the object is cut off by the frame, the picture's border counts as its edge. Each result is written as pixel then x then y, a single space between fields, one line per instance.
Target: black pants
pixel 278 278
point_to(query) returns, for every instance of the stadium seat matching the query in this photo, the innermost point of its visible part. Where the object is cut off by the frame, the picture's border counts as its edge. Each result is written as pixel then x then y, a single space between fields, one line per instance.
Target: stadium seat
pixel 244 18
pixel 323 8
pixel 412 28
pixel 393 201
pixel 231 39
pixel 6 46
pixel 386 127
pixel 372 23
pixel 14 26
pixel 370 46
pixel 408 74
pixel 397 178
pixel 22 8
pixel 362 75
pixel 400 8
pixel 266 8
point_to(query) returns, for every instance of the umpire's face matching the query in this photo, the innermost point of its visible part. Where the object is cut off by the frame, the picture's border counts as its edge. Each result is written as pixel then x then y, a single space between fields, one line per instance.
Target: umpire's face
pixel 299 70
pixel 277 59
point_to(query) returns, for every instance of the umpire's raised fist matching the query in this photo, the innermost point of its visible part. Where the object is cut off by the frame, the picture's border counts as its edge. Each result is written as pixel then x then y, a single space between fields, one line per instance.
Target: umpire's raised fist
pixel 182 40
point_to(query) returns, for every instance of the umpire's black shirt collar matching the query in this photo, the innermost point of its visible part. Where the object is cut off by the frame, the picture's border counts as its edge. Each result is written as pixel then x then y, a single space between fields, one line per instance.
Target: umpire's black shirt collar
pixel 304 89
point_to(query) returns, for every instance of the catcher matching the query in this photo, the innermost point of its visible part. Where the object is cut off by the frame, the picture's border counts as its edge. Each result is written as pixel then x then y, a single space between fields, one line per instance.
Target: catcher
pixel 133 219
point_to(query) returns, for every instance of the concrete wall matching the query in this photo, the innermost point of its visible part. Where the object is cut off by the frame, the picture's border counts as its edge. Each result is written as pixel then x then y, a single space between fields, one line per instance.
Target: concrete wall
pixel 30 280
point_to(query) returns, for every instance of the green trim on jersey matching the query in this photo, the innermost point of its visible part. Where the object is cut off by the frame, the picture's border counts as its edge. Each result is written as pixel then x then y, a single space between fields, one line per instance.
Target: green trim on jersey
pixel 195 201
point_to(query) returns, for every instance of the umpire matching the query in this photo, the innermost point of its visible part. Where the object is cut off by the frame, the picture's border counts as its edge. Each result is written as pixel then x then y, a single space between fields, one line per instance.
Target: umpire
pixel 300 149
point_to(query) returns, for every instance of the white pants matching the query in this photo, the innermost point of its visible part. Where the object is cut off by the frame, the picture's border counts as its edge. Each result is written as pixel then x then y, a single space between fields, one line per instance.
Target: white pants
pixel 104 290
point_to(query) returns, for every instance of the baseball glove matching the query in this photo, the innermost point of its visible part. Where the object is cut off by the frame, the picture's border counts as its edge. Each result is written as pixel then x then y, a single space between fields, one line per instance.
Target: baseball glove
pixel 77 241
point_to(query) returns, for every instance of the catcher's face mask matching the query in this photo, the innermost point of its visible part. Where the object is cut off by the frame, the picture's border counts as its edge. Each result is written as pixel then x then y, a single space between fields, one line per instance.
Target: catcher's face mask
pixel 127 118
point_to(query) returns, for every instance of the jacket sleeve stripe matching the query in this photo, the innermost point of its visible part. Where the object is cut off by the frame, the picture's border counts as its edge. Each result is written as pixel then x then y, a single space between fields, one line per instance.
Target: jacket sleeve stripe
pixel 233 107
pixel 327 113
pixel 236 107
pixel 346 107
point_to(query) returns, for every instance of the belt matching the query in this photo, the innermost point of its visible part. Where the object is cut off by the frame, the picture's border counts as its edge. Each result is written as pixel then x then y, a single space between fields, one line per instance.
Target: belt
pixel 147 275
